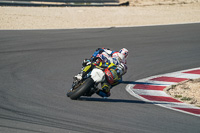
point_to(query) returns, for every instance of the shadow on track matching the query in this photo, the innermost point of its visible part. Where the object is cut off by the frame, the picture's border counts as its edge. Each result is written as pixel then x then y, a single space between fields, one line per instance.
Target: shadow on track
pixel 92 99
pixel 118 100
pixel 143 83
pixel 111 100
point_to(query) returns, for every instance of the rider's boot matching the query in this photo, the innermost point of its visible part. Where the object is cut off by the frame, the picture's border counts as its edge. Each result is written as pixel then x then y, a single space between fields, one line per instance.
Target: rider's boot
pixel 105 91
pixel 103 94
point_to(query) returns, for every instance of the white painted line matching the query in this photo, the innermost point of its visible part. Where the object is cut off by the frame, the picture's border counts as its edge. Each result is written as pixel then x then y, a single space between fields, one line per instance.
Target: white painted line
pixel 168 105
pixel 175 105
pixel 107 27
pixel 180 105
pixel 185 75
pixel 179 110
pixel 156 82
pixel 131 91
pixel 150 92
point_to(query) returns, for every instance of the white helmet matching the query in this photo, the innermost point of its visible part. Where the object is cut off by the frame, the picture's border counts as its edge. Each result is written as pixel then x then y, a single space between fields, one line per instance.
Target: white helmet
pixel 124 51
pixel 119 57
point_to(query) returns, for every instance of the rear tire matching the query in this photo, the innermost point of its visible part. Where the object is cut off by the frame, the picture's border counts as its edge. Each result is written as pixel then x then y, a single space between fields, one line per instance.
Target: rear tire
pixel 81 90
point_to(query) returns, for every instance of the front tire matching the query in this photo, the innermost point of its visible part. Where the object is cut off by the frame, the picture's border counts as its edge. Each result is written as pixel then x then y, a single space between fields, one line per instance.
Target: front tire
pixel 81 90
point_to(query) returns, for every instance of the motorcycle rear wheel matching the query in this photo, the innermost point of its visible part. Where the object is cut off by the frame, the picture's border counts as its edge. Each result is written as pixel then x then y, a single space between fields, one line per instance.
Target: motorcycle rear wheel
pixel 81 90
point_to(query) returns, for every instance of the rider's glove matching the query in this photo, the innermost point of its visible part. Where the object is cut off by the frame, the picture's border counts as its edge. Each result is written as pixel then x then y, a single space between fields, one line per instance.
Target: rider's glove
pixel 86 62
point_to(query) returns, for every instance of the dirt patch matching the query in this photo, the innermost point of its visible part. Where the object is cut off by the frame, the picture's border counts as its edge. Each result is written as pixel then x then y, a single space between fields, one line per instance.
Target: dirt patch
pixel 85 17
pixel 187 91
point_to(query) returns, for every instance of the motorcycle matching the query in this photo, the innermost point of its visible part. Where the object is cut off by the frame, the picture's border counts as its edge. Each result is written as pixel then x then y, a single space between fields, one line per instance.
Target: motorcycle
pixel 89 83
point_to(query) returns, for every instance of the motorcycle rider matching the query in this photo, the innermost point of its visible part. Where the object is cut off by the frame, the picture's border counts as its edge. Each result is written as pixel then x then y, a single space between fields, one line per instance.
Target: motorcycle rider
pixel 105 55
pixel 114 60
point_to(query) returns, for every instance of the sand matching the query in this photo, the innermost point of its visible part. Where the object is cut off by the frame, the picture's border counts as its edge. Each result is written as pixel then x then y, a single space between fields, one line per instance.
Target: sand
pixel 85 17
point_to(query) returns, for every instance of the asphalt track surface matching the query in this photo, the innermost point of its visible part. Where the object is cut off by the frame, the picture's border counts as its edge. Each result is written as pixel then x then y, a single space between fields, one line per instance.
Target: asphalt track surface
pixel 37 66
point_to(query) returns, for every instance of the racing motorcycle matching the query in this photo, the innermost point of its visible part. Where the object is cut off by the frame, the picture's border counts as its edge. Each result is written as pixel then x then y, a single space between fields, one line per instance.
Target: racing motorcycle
pixel 89 83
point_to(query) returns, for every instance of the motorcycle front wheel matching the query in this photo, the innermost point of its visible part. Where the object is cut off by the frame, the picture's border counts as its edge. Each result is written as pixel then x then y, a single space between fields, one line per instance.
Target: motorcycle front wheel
pixel 81 90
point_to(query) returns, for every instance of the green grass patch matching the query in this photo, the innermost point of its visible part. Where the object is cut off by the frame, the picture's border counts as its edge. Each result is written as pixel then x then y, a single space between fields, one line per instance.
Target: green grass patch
pixel 173 86
pixel 186 98
pixel 178 96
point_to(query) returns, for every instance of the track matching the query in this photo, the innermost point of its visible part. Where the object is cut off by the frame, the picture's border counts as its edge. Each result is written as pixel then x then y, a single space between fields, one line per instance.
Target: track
pixel 36 69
